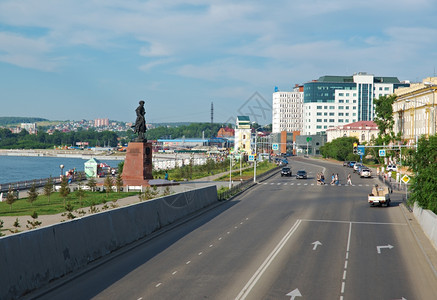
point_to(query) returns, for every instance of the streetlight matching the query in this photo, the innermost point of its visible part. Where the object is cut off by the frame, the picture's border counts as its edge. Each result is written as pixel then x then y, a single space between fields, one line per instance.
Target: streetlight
pixel 62 171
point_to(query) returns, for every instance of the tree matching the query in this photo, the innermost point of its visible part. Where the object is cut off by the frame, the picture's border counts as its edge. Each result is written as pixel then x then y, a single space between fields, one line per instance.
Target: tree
pixel 48 188
pixel 424 164
pixel 64 191
pixel 384 117
pixel 118 182
pixel 32 194
pixel 340 149
pixel 92 183
pixel 80 193
pixel 108 185
pixel 10 197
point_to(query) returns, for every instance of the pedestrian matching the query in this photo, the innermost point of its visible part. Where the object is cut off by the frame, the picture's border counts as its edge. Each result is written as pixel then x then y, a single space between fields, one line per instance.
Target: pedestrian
pixel 349 179
pixel 322 178
pixel 337 181
pixel 333 179
pixel 166 175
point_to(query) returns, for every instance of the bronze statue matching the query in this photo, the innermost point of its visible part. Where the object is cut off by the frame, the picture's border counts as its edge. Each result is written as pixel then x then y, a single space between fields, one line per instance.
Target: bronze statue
pixel 140 123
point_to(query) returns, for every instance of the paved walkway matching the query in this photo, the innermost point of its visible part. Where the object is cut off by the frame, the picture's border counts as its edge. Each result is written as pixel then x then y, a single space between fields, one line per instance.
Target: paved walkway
pixel 47 220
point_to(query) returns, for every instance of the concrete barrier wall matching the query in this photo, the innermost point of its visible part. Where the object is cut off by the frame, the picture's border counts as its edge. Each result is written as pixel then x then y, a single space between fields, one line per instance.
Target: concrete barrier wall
pixel 428 221
pixel 31 259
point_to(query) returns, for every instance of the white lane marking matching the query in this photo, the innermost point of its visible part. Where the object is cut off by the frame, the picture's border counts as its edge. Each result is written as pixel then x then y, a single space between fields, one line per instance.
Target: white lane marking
pixel 188 262
pixel 200 253
pixel 141 298
pixel 220 238
pixel 211 245
pixel 174 273
pixel 252 281
pixel 158 284
pixel 228 232
pixel 343 283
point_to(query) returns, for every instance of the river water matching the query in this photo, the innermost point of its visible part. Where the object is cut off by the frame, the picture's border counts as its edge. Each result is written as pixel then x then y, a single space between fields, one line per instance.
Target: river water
pixel 20 168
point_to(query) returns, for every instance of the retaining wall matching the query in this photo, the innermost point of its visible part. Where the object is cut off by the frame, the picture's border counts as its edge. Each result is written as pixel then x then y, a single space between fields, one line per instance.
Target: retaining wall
pixel 428 221
pixel 31 259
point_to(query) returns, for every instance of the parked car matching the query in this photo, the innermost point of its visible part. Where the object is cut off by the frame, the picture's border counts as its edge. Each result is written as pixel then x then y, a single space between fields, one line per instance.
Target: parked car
pixel 346 163
pixel 392 168
pixel 365 172
pixel 286 171
pixel 351 164
pixel 359 168
pixel 301 174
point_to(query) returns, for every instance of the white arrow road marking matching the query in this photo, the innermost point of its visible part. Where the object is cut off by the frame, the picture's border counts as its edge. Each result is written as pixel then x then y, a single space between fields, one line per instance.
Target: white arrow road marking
pixel 294 293
pixel 378 248
pixel 252 281
pixel 316 243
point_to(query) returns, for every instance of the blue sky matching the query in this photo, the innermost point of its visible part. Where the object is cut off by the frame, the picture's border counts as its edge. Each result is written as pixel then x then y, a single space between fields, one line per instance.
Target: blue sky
pixel 86 59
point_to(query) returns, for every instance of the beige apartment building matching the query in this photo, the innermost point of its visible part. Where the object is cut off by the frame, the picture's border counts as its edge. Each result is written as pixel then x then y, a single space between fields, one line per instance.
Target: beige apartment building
pixel 414 110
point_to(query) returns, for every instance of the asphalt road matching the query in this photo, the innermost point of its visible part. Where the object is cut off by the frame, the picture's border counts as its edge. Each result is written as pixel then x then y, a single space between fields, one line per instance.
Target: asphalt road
pixel 283 239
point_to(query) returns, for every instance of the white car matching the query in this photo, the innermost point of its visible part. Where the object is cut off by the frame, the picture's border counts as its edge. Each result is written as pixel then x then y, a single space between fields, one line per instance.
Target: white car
pixel 393 168
pixel 356 165
pixel 365 172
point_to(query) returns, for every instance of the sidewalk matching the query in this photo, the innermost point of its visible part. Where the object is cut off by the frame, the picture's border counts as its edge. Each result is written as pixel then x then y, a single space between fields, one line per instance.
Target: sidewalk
pixel 47 220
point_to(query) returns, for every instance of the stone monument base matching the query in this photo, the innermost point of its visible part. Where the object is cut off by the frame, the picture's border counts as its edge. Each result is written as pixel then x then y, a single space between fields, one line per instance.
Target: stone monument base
pixel 137 170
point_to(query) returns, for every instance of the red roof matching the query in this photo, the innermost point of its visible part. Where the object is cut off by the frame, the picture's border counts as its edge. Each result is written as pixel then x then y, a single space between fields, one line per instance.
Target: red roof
pixel 360 125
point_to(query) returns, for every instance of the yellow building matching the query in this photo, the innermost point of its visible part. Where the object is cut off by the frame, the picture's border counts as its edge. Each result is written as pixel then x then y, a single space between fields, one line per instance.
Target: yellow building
pixel 414 110
pixel 243 135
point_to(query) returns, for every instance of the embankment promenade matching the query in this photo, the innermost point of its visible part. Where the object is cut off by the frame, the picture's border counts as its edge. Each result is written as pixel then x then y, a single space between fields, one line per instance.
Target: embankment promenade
pixel 85 154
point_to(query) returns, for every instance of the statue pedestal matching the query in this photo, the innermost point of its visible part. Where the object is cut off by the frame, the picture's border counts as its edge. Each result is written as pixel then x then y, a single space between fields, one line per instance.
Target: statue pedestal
pixel 138 167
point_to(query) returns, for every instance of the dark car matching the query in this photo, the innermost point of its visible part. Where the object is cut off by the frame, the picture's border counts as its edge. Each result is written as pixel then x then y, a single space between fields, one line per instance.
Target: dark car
pixel 351 164
pixel 301 174
pixel 286 171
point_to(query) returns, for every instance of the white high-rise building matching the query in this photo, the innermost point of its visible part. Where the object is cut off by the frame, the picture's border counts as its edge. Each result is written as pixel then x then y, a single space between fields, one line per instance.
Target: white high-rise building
pixel 334 101
pixel 287 110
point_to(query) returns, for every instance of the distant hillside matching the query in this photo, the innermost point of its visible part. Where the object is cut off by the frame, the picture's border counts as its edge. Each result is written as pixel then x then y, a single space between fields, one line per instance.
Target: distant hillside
pixel 8 121
pixel 171 124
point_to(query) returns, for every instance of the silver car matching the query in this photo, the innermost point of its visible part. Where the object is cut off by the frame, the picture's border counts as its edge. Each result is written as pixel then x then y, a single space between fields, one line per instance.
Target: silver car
pixel 365 172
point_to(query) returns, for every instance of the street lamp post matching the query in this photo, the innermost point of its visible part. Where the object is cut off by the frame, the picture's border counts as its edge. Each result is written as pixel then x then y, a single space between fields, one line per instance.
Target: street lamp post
pixel 62 171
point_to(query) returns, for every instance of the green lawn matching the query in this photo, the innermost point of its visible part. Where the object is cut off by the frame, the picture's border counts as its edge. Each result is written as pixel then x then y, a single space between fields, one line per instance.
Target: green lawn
pixel 42 206
pixel 248 173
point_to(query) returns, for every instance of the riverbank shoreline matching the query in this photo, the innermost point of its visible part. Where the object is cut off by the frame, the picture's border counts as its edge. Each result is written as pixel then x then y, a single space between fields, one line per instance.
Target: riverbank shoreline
pixel 84 154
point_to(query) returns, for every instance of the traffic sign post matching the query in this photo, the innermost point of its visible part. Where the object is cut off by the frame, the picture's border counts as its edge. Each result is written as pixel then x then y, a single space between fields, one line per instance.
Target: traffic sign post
pixel 275 146
pixel 406 179
pixel 382 152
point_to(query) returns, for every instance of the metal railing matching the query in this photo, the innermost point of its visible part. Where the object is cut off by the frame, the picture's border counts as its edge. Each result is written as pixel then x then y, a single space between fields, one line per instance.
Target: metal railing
pixel 24 185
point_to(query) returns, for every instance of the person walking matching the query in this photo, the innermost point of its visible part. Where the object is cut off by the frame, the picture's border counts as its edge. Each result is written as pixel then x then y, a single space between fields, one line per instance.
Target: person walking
pixel 337 181
pixel 349 179
pixel 333 179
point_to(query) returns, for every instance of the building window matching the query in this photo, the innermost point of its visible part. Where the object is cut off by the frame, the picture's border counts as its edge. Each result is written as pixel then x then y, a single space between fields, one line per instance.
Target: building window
pixel 332 107
pixel 331 114
pixel 319 107
pixel 319 113
pixel 331 120
pixel 319 120
pixel 340 114
pixel 341 107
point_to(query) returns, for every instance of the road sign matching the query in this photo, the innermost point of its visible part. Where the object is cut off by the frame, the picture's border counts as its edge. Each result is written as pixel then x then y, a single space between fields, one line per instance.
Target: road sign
pixel 275 146
pixel 382 152
pixel 405 178
pixel 361 150
pixel 251 157
pixel 309 139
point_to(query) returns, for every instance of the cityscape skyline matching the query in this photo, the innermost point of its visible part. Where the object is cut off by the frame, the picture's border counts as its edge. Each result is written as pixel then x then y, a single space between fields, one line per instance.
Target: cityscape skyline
pixel 87 60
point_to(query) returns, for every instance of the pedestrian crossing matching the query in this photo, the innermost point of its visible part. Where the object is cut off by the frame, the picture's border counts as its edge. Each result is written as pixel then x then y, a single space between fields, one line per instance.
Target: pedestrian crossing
pixel 310 184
